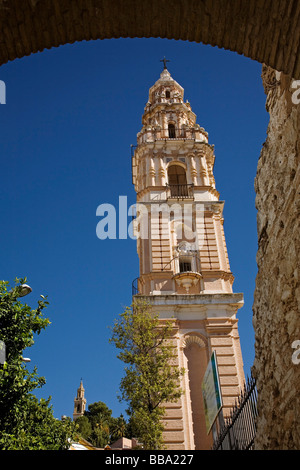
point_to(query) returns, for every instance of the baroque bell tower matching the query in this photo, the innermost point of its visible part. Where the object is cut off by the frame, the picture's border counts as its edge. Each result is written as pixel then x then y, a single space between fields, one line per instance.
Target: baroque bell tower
pixel 184 267
pixel 79 402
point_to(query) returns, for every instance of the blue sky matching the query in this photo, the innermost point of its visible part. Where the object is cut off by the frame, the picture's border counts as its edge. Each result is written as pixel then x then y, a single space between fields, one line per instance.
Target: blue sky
pixel 70 116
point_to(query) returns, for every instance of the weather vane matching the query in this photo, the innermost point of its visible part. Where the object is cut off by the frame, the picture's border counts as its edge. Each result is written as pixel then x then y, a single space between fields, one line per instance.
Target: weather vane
pixel 164 60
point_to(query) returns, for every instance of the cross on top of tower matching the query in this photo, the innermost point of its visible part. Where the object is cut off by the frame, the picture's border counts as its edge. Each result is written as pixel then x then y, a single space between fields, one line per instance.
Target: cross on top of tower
pixel 164 60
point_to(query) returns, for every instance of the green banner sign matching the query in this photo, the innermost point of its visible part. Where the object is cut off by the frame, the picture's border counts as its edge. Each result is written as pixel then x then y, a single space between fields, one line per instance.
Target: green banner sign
pixel 211 392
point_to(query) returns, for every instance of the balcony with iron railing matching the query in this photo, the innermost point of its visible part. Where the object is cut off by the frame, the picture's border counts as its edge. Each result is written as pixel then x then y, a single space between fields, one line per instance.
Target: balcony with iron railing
pixel 180 191
pixel 186 272
pixel 184 133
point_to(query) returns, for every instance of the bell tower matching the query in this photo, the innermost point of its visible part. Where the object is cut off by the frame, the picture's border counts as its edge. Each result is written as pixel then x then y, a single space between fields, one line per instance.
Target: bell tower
pixel 79 402
pixel 184 268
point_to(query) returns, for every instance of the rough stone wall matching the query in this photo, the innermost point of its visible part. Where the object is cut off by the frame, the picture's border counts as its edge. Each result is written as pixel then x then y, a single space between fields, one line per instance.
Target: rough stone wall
pixel 277 296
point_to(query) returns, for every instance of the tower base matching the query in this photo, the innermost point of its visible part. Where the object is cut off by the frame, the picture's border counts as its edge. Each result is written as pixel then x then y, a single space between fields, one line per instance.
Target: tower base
pixel 202 324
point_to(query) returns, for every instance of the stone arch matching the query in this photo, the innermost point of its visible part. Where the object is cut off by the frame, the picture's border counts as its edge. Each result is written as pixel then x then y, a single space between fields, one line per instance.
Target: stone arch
pixel 264 31
pixel 196 358
pixel 176 162
pixel 192 338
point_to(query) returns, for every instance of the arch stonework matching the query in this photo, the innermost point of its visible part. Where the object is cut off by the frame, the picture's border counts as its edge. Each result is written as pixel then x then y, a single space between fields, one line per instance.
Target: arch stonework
pixel 195 352
pixel 192 339
pixel 263 30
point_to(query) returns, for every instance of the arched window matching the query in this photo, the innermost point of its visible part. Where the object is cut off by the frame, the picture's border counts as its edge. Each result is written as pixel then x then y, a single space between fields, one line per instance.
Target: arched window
pixel 171 129
pixel 168 94
pixel 176 176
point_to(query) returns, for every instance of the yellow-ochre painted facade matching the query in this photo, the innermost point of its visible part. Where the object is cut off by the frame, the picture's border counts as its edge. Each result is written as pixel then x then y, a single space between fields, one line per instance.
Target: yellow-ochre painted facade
pixel 184 267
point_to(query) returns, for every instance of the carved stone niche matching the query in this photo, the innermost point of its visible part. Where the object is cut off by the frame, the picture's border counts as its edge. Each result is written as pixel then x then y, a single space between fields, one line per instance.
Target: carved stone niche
pixel 192 339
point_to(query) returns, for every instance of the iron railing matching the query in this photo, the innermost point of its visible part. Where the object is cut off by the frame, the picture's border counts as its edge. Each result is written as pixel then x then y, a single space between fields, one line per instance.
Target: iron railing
pixel 239 429
pixel 186 133
pixel 180 191
pixel 135 287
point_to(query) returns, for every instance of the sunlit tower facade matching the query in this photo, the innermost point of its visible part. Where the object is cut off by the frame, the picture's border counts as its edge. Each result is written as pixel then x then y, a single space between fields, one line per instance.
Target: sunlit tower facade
pixel 79 402
pixel 183 262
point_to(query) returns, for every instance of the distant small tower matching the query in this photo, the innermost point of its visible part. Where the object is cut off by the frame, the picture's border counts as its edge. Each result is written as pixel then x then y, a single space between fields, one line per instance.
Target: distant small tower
pixel 79 402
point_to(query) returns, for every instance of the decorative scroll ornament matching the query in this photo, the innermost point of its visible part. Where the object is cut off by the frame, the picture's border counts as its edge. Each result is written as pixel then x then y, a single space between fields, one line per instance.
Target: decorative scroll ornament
pixel 192 339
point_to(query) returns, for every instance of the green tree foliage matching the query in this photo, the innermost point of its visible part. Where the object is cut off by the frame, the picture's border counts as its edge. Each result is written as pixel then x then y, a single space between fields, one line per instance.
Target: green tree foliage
pixel 25 422
pixel 150 378
pixel 119 428
pixel 84 428
pixel 99 427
